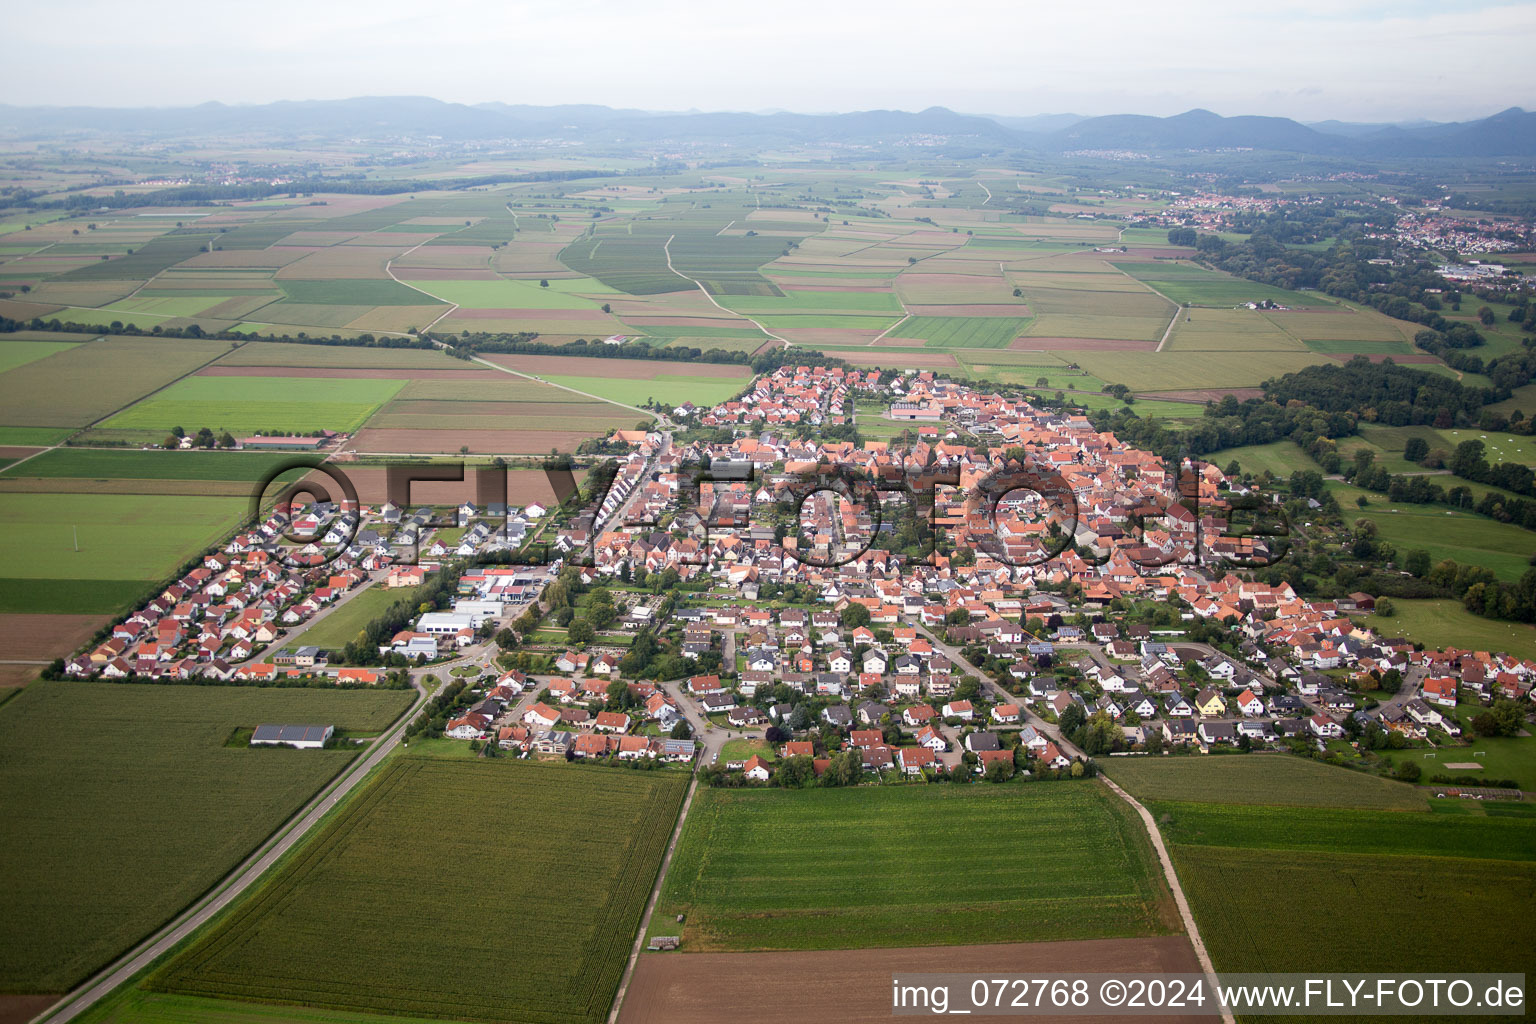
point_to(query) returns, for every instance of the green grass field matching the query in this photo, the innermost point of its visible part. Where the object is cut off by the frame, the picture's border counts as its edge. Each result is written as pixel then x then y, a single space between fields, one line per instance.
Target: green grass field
pixel 123 804
pixel 351 292
pixel 1281 458
pixel 1263 779
pixel 905 866
pixel 100 464
pixel 1371 912
pixel 963 331
pixel 508 294
pixel 121 536
pixel 1328 829
pixel 1174 371
pixel 359 919
pixel 1464 536
pixel 1187 283
pixel 341 626
pixel 1501 757
pixel 20 353
pixel 1445 623
pixel 243 405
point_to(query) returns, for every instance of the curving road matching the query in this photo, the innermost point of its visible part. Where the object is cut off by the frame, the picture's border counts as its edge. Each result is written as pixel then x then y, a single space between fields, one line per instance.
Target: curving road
pixel 241 879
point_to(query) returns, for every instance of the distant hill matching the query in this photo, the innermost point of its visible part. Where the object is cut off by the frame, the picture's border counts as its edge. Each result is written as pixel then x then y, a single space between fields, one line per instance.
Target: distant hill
pixel 1509 133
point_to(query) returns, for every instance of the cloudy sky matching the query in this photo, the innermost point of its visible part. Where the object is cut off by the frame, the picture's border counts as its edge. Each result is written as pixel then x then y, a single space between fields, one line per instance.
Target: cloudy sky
pixel 1315 59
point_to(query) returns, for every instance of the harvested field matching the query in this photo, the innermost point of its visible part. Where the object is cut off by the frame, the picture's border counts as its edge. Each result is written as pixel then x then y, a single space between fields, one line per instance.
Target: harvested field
pixel 1241 394
pixel 20 1009
pixel 397 319
pixel 12 676
pixel 523 485
pixel 344 262
pixel 440 273
pixel 44 637
pixel 10 453
pixel 573 315
pixel 480 442
pixel 671 988
pixel 918 359
pixel 1035 344
pixel 630 369
pixel 970 309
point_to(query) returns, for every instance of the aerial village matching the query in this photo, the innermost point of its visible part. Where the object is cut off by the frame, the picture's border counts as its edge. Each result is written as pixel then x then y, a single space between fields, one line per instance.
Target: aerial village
pixel 970 595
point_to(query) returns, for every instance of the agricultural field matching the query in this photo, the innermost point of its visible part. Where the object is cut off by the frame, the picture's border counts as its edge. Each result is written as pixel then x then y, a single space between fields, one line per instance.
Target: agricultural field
pixel 1365 874
pixel 1352 903
pixel 157 761
pixel 1329 829
pixel 884 867
pixel 84 383
pixel 1192 370
pixel 1258 779
pixel 103 464
pixel 20 353
pixel 961 331
pixel 244 405
pixel 326 930
pixel 1186 283
pixel 125 542
pixel 667 388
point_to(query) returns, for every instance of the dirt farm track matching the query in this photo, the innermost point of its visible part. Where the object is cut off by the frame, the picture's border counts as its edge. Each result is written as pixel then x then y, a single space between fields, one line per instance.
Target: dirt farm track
pixel 788 988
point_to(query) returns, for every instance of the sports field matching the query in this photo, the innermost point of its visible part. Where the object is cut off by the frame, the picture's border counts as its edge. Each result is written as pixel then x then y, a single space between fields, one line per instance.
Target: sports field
pixel 539 931
pixel 904 866
pixel 101 849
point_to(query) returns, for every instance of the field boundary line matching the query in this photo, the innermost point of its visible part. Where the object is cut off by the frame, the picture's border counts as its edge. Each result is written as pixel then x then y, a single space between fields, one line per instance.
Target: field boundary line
pixel 1173 884
pixel 453 307
pixel 1177 309
pixel 562 387
pixel 650 906
pixel 667 249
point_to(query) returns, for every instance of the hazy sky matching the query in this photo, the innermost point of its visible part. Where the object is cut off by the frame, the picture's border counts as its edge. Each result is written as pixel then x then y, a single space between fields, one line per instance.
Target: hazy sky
pixel 1316 59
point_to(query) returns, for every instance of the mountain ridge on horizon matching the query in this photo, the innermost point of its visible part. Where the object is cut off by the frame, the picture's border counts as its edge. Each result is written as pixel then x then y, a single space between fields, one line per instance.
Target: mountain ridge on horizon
pixel 1509 133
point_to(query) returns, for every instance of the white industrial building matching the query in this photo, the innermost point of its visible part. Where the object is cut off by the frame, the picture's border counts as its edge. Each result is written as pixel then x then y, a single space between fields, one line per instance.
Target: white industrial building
pixel 445 623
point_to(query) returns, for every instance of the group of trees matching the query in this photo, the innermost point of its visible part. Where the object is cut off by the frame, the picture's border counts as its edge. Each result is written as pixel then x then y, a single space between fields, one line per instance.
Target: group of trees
pixel 435 594
pixel 203 439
